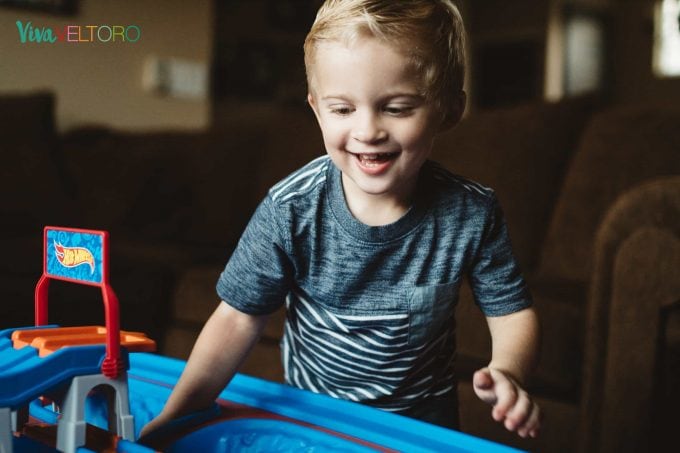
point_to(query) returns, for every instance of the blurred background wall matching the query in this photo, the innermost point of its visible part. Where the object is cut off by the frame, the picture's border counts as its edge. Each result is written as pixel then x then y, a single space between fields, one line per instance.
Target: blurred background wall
pixel 100 82
pixel 251 51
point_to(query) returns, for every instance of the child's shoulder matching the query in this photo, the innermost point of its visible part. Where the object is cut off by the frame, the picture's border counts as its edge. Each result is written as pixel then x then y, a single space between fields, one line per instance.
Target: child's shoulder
pixel 457 200
pixel 451 184
pixel 301 181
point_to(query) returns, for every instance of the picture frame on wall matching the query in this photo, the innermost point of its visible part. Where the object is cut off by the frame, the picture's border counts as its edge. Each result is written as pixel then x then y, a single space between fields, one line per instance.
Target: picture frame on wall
pixel 62 7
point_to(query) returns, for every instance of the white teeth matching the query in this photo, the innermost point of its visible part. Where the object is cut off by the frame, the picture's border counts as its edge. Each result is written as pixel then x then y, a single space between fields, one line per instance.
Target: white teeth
pixel 375 156
pixel 370 163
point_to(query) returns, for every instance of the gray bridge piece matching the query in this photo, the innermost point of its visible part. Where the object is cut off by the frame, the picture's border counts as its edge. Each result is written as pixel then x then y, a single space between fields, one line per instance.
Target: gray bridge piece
pixel 71 425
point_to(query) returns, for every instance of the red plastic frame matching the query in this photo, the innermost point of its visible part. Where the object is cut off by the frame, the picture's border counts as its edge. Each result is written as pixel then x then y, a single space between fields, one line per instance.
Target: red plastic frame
pixel 113 365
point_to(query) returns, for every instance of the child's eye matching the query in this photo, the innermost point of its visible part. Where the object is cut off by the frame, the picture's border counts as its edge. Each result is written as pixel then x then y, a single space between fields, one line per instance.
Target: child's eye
pixel 398 110
pixel 341 110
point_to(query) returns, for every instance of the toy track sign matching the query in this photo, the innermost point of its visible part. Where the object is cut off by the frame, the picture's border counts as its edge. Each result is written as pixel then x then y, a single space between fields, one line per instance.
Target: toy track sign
pixel 76 255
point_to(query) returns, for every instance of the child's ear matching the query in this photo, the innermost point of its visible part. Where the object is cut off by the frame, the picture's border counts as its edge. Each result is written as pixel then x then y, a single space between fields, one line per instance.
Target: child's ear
pixel 454 113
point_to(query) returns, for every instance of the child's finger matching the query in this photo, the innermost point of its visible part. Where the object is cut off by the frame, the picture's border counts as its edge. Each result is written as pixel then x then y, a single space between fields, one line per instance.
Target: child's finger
pixel 506 394
pixel 519 414
pixel 483 386
pixel 482 379
pixel 533 424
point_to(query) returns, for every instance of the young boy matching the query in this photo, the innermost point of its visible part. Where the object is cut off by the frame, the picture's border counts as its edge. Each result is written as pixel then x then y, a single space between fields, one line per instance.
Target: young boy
pixel 368 246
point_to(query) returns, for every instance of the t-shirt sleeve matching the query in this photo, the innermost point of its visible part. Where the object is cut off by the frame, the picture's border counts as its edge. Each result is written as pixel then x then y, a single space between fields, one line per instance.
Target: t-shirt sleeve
pixel 495 276
pixel 257 277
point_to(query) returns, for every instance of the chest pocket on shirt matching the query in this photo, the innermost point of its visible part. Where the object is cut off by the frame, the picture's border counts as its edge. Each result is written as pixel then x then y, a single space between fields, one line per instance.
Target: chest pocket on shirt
pixel 430 307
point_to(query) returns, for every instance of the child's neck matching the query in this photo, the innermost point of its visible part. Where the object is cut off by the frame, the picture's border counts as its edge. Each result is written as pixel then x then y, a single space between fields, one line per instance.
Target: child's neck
pixel 376 210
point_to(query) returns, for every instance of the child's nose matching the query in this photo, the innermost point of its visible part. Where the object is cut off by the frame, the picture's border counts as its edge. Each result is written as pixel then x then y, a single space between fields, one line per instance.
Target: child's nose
pixel 368 129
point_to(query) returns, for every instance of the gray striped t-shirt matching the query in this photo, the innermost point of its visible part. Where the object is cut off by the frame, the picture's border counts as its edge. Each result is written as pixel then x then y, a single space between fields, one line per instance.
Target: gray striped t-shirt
pixel 370 310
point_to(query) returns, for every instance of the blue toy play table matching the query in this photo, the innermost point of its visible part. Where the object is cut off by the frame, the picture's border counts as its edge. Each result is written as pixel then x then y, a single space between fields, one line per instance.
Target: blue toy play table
pixel 255 415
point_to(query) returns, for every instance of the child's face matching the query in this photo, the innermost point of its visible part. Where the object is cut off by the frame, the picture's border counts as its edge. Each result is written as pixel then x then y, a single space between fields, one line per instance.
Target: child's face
pixel 377 127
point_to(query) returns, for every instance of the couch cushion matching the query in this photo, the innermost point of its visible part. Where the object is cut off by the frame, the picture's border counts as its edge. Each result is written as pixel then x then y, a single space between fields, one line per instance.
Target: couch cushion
pixel 27 116
pixel 621 148
pixel 184 187
pixel 107 175
pixel 291 136
pixel 294 139
pixel 521 152
pixel 223 184
pixel 195 298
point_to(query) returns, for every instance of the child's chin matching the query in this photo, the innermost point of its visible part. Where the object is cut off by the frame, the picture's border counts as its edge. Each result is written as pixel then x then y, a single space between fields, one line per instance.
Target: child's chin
pixel 376 188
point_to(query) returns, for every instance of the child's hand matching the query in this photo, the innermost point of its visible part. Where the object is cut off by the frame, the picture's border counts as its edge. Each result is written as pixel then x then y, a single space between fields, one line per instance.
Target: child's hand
pixel 512 405
pixel 152 426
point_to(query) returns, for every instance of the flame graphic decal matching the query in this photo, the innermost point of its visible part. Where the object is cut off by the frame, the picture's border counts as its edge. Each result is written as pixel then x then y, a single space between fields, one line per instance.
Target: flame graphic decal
pixel 74 256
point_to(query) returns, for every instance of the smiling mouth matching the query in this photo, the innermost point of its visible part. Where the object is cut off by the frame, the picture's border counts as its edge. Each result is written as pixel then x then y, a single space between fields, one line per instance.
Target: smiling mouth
pixel 375 158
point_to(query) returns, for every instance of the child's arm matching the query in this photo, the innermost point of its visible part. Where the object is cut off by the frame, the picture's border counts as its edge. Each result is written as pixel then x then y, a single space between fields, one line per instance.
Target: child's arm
pixel 224 342
pixel 514 353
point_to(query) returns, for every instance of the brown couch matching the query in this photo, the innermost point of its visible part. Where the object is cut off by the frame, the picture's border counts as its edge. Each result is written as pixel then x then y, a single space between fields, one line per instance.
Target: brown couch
pixel 604 345
pixel 591 194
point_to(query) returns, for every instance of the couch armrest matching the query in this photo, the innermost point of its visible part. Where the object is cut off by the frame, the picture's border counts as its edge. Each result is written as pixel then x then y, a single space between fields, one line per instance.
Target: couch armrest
pixel 636 273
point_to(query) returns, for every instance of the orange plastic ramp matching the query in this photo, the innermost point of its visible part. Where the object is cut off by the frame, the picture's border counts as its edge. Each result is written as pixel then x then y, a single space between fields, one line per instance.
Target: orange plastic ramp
pixel 49 340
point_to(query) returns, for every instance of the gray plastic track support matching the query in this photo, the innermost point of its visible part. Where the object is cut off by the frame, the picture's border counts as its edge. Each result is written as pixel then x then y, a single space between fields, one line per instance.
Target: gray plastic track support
pixel 6 430
pixel 71 425
pixel 19 418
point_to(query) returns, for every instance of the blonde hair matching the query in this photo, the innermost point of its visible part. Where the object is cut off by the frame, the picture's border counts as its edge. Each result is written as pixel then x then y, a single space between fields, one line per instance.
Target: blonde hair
pixel 429 32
